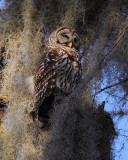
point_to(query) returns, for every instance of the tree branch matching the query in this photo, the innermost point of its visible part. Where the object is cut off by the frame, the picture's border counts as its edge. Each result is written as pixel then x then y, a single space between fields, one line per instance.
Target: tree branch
pixel 113 85
pixel 119 113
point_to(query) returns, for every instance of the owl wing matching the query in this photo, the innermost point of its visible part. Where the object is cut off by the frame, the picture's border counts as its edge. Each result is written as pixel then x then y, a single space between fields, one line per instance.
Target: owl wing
pixel 44 79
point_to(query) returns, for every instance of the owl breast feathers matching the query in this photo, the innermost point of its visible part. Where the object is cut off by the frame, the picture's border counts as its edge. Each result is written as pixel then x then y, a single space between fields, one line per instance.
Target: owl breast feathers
pixel 59 70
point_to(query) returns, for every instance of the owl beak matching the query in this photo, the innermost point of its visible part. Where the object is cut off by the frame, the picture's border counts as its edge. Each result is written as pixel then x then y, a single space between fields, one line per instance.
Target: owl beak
pixel 70 44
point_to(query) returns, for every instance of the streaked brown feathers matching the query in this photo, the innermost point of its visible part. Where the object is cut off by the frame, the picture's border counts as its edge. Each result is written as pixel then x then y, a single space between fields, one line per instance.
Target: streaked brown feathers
pixel 59 70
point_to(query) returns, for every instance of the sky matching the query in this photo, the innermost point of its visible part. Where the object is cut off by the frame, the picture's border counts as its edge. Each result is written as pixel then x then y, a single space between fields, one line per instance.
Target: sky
pixel 123 127
pixel 121 124
pixel 120 146
pixel 1 4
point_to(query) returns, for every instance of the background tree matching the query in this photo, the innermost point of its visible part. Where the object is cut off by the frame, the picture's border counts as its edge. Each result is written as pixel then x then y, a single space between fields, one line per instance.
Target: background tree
pixel 103 28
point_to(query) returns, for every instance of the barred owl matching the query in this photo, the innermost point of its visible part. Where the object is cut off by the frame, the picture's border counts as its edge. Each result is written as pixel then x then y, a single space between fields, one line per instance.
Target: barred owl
pixel 59 70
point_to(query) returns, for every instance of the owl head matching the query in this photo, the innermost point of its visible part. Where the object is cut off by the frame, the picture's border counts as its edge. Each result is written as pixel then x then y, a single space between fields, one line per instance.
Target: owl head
pixel 65 38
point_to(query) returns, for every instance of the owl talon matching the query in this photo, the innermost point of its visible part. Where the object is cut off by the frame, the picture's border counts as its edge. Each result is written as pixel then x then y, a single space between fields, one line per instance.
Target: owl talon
pixel 43 124
pixel 33 115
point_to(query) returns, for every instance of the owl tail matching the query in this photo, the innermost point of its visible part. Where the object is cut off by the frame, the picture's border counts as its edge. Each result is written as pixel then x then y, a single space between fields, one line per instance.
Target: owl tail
pixel 41 116
pixel 46 109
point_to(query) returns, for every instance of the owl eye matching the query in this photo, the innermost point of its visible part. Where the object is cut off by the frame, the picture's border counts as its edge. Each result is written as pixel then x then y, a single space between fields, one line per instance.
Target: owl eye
pixel 75 40
pixel 65 36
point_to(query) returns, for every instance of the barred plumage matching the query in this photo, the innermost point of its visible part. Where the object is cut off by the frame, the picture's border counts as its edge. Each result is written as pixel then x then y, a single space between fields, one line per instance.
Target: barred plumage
pixel 58 70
